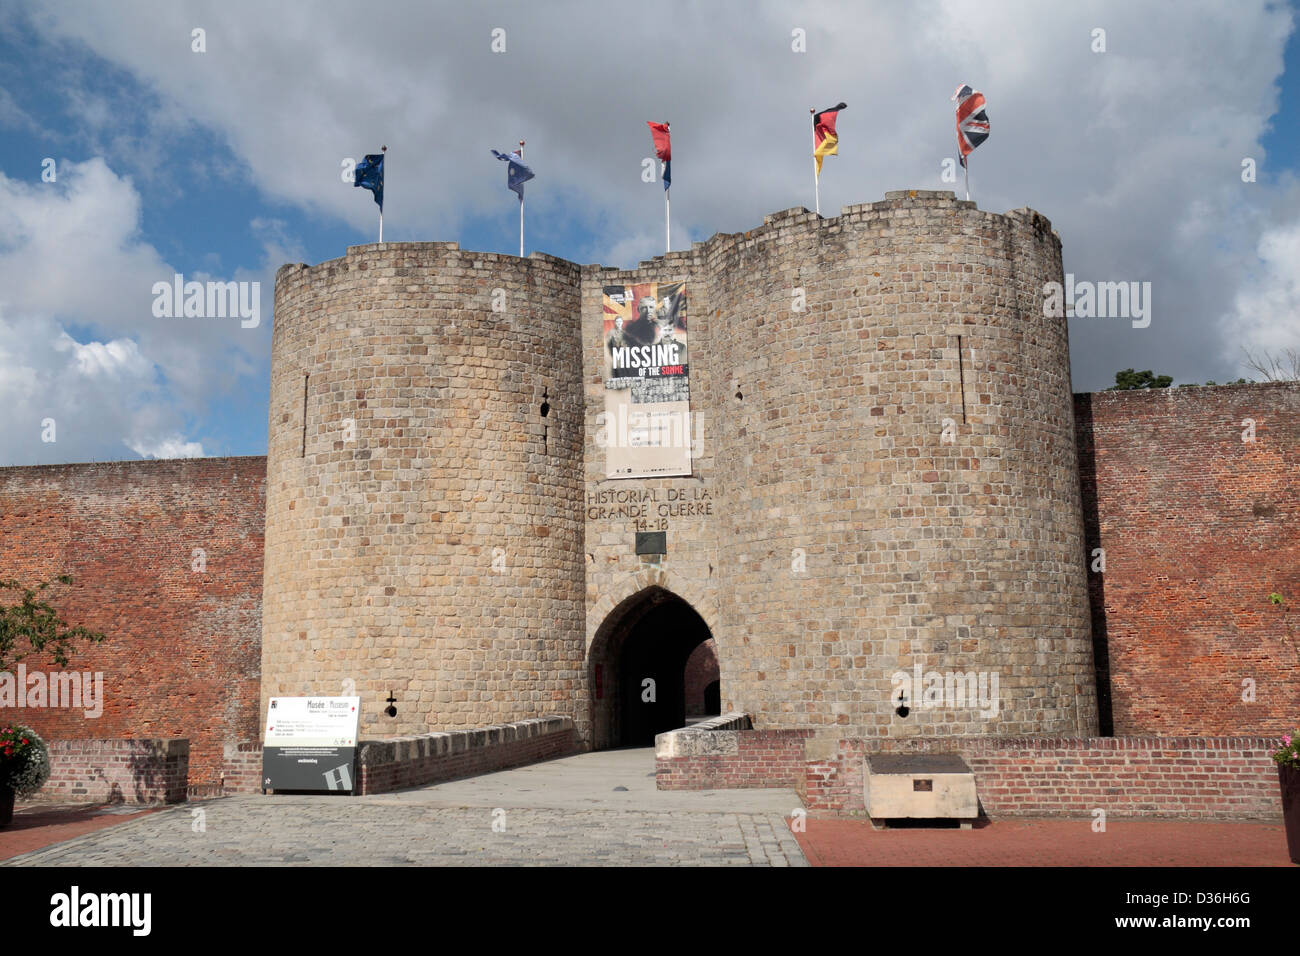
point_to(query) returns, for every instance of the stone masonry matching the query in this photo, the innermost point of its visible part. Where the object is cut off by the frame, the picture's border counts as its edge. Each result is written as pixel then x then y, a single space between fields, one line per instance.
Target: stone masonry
pixel 884 481
pixel 885 476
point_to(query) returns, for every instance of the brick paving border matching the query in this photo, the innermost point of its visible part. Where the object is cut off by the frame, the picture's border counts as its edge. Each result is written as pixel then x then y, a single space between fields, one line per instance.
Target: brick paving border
pixel 1054 842
pixel 37 826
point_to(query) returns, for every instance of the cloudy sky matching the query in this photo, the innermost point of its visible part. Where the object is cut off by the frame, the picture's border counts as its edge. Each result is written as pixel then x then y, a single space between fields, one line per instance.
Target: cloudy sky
pixel 225 164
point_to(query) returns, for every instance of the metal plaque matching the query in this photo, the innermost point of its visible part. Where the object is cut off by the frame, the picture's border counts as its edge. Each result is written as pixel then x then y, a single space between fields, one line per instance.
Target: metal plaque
pixel 652 542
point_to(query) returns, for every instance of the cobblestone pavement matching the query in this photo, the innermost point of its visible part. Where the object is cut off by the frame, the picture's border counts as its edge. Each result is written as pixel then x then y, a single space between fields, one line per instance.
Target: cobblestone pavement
pixel 593 809
pixel 36 826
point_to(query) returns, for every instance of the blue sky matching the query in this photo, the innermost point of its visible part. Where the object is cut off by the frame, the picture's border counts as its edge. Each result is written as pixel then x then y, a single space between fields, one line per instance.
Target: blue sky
pixel 225 165
pixel 1282 141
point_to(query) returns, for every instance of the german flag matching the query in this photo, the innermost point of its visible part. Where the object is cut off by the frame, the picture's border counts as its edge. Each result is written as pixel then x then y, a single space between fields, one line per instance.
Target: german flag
pixel 825 140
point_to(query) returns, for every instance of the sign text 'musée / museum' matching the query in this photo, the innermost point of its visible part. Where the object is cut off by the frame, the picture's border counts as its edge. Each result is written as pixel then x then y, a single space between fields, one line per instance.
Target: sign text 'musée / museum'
pixel 648 503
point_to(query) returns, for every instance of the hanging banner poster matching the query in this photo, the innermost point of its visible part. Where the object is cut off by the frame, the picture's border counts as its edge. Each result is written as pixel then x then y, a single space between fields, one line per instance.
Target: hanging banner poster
pixel 647 428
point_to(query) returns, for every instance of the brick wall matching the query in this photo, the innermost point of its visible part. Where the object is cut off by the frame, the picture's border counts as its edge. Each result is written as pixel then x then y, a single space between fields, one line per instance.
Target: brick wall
pixel 725 754
pixel 1198 527
pixel 1211 778
pixel 116 771
pixel 241 770
pixel 433 758
pixel 1200 778
pixel 701 671
pixel 182 657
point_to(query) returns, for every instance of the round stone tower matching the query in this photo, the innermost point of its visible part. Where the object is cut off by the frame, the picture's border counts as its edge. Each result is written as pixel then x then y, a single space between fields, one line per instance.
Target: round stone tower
pixel 424 488
pixel 897 457
pixel 884 534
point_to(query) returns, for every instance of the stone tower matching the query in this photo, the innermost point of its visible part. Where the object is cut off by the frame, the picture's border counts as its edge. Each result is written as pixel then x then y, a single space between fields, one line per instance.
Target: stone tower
pixel 424 516
pixel 883 480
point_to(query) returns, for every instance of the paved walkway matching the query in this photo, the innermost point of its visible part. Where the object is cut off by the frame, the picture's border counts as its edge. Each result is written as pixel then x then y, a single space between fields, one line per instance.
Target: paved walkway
pixel 38 825
pixel 592 809
pixel 1052 842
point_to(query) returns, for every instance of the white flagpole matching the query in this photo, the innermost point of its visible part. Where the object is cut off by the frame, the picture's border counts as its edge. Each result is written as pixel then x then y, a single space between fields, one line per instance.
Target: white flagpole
pixel 521 207
pixel 966 166
pixel 668 232
pixel 817 186
pixel 384 152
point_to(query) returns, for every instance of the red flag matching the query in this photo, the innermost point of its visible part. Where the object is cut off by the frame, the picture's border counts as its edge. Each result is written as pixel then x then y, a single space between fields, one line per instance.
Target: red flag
pixel 663 145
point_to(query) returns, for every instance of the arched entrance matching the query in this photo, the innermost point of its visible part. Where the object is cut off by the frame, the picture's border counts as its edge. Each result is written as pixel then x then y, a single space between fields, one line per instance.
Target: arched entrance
pixel 638 668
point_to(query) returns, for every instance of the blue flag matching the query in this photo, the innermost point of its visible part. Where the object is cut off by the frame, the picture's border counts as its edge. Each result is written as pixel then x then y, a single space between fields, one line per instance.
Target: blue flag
pixel 519 173
pixel 369 174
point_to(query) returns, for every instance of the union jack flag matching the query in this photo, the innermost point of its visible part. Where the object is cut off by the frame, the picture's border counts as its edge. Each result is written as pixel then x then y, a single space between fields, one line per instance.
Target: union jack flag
pixel 972 121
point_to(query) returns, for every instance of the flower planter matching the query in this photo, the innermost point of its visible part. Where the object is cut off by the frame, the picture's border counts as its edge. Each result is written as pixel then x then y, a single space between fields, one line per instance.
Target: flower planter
pixel 6 806
pixel 1289 778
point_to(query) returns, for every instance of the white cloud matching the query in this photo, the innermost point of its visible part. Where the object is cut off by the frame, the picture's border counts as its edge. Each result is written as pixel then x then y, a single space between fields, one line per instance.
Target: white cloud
pixel 78 341
pixel 1134 154
pixel 118 359
pixel 1266 313
pixel 173 446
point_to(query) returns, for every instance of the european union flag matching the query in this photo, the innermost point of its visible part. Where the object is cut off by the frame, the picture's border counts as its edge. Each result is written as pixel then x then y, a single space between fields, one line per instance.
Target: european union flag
pixel 519 173
pixel 369 174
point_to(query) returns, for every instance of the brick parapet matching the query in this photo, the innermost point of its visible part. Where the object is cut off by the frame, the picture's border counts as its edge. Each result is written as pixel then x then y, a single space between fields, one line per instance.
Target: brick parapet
pixel 116 771
pixel 1200 778
pixel 422 759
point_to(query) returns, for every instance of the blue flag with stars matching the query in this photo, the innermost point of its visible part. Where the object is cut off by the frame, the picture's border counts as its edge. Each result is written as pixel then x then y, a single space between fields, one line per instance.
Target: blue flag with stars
pixel 369 174
pixel 519 173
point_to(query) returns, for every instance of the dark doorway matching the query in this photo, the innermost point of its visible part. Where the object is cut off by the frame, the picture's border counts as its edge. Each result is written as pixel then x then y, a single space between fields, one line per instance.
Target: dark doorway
pixel 713 699
pixel 702 690
pixel 639 668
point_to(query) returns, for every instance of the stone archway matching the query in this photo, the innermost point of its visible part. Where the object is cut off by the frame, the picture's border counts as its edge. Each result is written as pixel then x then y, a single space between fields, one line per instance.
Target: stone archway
pixel 637 668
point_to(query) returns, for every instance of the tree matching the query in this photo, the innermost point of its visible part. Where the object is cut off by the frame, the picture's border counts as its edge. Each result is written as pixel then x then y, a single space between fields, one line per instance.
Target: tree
pixel 1240 381
pixel 1146 379
pixel 1281 367
pixel 34 622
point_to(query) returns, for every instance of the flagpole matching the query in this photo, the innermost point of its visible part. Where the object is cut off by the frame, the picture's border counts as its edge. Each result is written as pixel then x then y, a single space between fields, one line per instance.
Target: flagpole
pixel 521 207
pixel 668 218
pixel 384 152
pixel 668 232
pixel 966 166
pixel 817 186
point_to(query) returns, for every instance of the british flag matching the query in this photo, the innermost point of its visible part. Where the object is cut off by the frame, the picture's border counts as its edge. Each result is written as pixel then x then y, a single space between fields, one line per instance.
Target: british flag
pixel 972 121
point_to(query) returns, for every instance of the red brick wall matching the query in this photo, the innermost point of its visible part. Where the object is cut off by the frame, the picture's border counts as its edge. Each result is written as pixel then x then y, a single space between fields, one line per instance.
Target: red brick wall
pixel 241 771
pixel 1199 528
pixel 1209 778
pixel 183 655
pixel 764 758
pixel 1212 778
pixel 116 771
pixel 701 670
